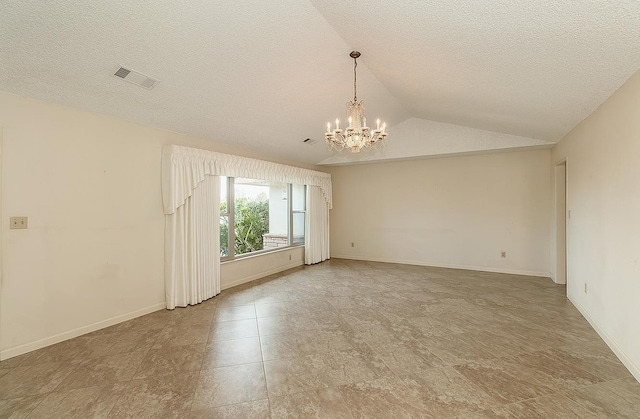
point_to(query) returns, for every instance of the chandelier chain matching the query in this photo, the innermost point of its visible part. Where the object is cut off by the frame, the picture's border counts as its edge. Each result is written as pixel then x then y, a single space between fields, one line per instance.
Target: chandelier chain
pixel 355 77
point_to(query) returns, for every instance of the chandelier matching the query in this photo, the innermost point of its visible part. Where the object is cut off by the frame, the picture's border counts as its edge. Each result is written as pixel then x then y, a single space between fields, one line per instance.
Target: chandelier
pixel 357 135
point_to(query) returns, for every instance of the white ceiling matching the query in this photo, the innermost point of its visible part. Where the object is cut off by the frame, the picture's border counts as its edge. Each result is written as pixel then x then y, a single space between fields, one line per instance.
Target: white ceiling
pixel 267 75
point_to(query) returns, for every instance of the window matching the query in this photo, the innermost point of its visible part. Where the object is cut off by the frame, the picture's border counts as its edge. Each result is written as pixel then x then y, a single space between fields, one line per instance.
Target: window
pixel 298 208
pixel 259 215
pixel 225 238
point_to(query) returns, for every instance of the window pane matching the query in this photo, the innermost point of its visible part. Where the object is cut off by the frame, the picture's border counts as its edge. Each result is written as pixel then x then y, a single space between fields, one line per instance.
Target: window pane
pixel 224 194
pixel 224 219
pixel 298 227
pixel 261 220
pixel 299 197
pixel 224 236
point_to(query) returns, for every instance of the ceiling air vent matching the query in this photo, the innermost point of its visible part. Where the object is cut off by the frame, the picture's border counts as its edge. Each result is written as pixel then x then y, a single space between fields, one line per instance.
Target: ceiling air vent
pixel 122 72
pixel 309 141
pixel 135 77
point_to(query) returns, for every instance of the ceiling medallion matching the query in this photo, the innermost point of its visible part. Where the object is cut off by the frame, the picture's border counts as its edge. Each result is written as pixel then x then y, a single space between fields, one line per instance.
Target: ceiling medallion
pixel 357 135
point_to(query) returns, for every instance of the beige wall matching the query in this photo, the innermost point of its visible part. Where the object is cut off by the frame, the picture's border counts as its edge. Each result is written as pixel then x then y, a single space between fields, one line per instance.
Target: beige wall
pixel 454 212
pixel 603 233
pixel 93 253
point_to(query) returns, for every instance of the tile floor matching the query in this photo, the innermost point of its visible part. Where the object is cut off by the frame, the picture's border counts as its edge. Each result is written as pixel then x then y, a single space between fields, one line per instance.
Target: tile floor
pixel 343 339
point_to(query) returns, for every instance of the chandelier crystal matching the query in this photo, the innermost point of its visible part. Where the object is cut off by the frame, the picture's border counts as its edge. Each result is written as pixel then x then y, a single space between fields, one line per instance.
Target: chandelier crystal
pixel 357 135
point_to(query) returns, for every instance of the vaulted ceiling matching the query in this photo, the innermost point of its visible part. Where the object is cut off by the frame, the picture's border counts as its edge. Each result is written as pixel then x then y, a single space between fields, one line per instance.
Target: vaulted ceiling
pixel 449 77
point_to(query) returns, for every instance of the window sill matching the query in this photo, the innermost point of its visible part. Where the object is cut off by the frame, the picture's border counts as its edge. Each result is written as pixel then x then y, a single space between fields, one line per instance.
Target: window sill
pixel 260 253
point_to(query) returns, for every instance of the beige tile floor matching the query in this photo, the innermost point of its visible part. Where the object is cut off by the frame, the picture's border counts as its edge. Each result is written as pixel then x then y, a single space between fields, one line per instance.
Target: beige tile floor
pixel 342 339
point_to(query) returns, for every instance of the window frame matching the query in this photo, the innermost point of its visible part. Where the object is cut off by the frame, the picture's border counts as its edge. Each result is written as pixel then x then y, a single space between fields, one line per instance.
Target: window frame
pixel 231 231
pixel 292 211
pixel 230 214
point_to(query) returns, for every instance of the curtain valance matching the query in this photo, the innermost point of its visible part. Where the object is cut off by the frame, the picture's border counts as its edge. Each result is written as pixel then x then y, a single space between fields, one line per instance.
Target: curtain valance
pixel 183 168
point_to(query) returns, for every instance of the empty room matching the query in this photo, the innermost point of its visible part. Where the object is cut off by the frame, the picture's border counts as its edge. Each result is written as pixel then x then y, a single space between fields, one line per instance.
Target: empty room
pixel 320 209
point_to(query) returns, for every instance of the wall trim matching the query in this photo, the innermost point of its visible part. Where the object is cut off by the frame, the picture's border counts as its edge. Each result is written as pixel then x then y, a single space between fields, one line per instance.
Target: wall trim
pixel 617 350
pixel 260 275
pixel 51 340
pixel 450 266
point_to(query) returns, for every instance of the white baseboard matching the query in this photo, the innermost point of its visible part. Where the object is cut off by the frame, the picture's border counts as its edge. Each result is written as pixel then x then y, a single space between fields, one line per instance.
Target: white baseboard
pixel 439 265
pixel 554 278
pixel 41 343
pixel 622 356
pixel 260 275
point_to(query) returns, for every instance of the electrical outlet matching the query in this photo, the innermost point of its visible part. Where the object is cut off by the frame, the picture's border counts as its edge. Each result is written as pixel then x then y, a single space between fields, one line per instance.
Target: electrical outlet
pixel 503 254
pixel 585 287
pixel 19 223
pixel 352 244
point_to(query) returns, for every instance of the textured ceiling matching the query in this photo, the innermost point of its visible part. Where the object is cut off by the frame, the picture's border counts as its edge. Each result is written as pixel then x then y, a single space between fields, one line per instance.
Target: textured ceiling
pixel 267 75
pixel 526 67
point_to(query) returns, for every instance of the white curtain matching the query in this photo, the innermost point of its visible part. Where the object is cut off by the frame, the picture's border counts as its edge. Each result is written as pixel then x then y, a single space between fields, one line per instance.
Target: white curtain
pixel 192 247
pixel 316 237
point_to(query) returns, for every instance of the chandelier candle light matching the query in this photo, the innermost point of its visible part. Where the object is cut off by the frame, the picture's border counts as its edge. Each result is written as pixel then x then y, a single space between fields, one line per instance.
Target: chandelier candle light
pixel 357 135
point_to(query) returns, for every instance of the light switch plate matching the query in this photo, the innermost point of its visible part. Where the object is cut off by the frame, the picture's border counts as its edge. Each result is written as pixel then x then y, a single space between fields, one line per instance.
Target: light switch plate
pixel 19 222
